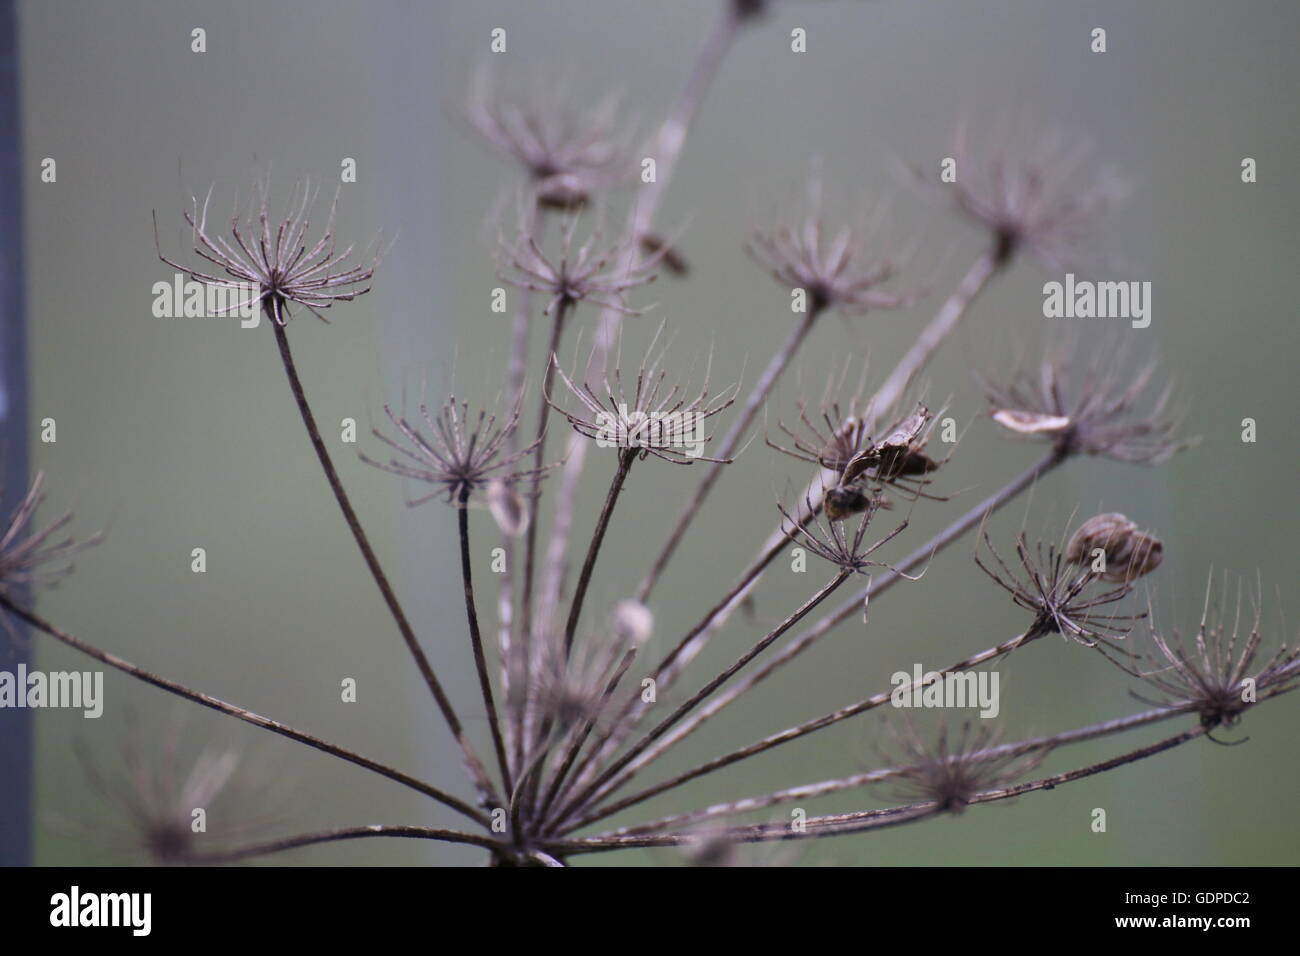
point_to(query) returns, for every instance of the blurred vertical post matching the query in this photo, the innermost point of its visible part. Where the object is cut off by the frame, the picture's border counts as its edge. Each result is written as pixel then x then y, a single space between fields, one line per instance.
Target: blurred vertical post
pixel 15 724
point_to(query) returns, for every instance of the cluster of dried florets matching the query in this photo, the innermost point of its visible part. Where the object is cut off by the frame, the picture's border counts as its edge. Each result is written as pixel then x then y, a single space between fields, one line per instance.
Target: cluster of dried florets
pixel 576 715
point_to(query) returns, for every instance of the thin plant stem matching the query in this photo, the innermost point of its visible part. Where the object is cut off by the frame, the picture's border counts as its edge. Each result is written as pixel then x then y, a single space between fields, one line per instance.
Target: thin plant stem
pixel 625 458
pixel 952 311
pixel 237 854
pixel 232 710
pixel 539 460
pixel 516 376
pixel 730 442
pixel 472 762
pixel 858 821
pixel 667 723
pixel 476 639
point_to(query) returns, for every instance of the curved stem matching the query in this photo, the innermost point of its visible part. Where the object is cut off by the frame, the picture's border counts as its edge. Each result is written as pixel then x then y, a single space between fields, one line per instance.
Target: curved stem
pixel 539 456
pixel 248 716
pixel 476 639
pixel 625 458
pixel 822 788
pixel 333 836
pixel 472 763
pixel 859 821
pixel 941 326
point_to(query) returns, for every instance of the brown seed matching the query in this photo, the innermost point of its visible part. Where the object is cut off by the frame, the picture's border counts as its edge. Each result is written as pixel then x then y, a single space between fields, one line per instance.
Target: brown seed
pixel 1128 552
pixel 1030 423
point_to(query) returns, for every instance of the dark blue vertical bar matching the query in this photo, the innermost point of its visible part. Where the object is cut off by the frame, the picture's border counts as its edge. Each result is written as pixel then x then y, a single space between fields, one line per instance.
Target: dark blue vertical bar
pixel 15 724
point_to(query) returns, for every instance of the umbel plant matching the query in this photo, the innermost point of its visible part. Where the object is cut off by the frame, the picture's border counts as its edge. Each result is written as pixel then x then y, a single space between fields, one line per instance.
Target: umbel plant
pixel 580 712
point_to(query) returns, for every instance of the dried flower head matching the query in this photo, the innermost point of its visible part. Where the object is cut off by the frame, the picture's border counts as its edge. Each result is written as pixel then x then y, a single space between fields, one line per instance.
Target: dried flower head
pixel 567 153
pixel 460 453
pixel 277 260
pixel 161 796
pixel 841 443
pixel 1219 677
pixel 949 771
pixel 829 536
pixel 1058 595
pixel 656 418
pixel 1124 551
pixel 1088 405
pixel 1033 193
pixel 581 274
pixel 835 270
pixel 35 557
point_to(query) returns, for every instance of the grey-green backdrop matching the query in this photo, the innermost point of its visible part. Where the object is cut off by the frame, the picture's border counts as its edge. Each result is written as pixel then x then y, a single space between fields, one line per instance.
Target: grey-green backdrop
pixel 176 434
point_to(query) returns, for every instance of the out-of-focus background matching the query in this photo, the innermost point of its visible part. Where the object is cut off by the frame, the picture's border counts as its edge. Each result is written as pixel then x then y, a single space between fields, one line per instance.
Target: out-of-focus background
pixel 177 434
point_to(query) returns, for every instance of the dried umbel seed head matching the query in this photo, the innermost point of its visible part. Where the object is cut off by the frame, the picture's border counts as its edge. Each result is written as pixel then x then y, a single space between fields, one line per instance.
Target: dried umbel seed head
pixel 653 417
pixel 276 260
pixel 567 153
pixel 949 770
pixel 1113 546
pixel 581 273
pixel 1032 192
pixel 159 779
pixel 1060 598
pixel 1088 398
pixel 29 556
pixel 461 454
pixel 835 270
pixel 833 537
pixel 1221 675
pixel 831 439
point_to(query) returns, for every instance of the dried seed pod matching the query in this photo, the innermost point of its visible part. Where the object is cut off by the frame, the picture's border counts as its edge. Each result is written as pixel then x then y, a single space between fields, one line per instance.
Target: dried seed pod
pixel 1128 552
pixel 898 454
pixel 1030 423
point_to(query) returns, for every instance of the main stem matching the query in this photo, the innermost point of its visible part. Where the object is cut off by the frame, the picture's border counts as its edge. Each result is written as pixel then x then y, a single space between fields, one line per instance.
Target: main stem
pixel 472 762
pixel 476 640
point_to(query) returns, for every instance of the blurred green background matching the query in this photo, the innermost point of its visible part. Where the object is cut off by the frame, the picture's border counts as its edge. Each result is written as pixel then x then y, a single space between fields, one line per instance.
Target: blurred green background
pixel 175 434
